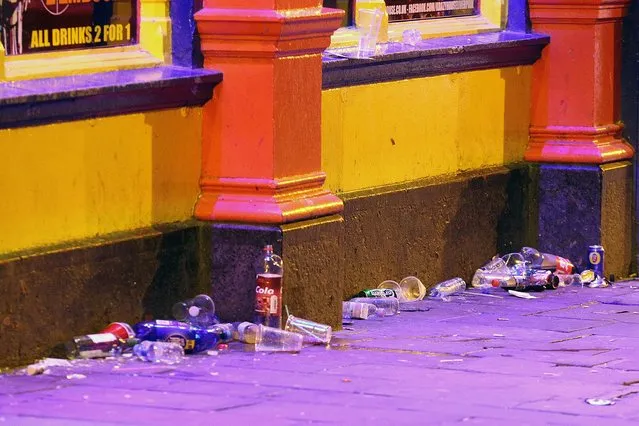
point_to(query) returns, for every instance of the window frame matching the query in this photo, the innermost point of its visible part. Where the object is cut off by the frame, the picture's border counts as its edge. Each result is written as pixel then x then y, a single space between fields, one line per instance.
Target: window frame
pixel 152 49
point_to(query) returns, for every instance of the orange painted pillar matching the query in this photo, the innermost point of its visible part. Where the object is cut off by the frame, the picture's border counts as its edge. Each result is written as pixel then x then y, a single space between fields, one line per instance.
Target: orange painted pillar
pixel 576 83
pixel 261 153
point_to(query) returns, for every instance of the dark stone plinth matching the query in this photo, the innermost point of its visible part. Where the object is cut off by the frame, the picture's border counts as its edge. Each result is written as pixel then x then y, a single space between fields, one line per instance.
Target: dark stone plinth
pixel 312 268
pixel 436 229
pixel 582 205
pixel 51 295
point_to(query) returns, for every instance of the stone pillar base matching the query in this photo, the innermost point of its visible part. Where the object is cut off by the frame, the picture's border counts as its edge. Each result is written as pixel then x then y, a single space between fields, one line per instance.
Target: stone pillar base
pixel 313 268
pixel 582 205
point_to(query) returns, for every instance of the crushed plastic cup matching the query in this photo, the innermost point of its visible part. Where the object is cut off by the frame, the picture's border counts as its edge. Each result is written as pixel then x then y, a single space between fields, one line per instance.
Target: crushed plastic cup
pixel 312 332
pixel 412 37
pixel 412 289
pixel 269 339
pixel 368 25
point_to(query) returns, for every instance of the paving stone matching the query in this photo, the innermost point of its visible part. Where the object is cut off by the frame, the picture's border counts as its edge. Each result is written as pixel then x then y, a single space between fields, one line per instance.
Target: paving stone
pixel 475 360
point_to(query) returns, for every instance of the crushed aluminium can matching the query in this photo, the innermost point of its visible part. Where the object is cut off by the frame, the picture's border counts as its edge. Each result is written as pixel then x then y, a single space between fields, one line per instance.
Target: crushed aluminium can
pixel 596 259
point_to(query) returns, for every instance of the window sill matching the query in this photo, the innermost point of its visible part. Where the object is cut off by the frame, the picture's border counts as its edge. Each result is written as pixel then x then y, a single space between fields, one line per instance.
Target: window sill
pixel 398 61
pixel 42 101
pixel 433 28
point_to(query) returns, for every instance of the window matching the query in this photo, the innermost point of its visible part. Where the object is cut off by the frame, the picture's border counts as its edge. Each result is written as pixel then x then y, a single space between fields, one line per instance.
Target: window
pixel 61 37
pixel 434 18
pixel 410 10
pixel 50 25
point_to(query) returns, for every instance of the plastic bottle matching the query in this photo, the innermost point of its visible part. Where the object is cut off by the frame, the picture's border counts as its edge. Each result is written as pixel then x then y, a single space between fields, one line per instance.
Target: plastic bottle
pixel 192 338
pixel 355 310
pixel 225 332
pixel 538 260
pixel 198 311
pixel 246 332
pixel 384 306
pixel 268 290
pixel 448 288
pixel 490 274
pixel 162 352
pixel 100 345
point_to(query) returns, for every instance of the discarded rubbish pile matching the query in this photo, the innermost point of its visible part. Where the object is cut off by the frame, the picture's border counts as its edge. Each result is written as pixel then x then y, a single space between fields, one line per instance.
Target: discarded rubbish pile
pixel 535 271
pixel 196 328
pixel 518 273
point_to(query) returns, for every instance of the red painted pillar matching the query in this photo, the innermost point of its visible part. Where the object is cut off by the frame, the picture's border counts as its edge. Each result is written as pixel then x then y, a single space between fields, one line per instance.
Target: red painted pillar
pixel 576 83
pixel 262 130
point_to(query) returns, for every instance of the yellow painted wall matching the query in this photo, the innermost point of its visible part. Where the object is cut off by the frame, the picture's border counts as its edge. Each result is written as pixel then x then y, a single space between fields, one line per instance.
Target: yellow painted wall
pixel 387 133
pixel 79 179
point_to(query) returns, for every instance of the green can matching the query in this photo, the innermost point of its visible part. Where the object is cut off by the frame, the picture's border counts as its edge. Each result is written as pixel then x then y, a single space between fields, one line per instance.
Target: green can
pixel 377 292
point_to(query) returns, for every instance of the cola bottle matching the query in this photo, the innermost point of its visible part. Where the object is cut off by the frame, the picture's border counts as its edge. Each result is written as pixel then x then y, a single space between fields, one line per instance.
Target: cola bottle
pixel 268 289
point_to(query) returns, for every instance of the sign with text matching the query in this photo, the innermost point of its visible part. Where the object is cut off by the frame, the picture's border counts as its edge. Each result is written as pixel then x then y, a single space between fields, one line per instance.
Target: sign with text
pixel 411 10
pixel 31 26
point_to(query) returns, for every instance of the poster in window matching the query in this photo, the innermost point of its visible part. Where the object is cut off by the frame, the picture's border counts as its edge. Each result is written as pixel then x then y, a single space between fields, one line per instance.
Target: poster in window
pixel 31 26
pixel 412 10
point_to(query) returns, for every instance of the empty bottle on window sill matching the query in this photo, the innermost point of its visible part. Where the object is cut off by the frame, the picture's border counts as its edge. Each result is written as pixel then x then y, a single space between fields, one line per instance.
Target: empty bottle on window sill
pixel 384 306
pixel 448 288
pixel 160 352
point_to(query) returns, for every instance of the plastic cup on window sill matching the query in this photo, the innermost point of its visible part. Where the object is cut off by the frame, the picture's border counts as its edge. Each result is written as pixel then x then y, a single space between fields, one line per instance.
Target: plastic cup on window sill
pixel 368 25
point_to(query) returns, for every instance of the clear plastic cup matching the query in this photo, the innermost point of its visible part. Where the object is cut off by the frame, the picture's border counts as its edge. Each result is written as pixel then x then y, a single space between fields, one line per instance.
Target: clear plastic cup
pixel 393 285
pixel 269 339
pixel 313 332
pixel 411 289
pixel 368 24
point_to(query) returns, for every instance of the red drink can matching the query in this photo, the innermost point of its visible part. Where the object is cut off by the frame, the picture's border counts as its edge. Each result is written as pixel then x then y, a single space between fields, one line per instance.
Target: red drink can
pixel 121 330
pixel 268 300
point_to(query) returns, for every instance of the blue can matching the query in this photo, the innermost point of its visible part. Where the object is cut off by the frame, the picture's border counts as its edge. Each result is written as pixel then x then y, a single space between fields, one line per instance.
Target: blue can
pixel 596 259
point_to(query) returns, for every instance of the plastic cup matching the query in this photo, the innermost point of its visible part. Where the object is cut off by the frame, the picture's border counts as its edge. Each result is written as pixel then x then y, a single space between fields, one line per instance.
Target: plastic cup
pixel 313 332
pixel 121 330
pixel 368 24
pixel 411 289
pixel 269 339
pixel 393 285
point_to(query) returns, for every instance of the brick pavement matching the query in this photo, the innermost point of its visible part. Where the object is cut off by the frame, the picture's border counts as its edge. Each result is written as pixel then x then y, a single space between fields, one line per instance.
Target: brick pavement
pixel 474 360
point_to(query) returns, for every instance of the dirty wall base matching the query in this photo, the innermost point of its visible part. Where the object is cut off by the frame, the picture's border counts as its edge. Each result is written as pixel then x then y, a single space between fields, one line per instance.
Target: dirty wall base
pixel 51 295
pixel 433 229
pixel 437 229
pixel 583 205
pixel 313 267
